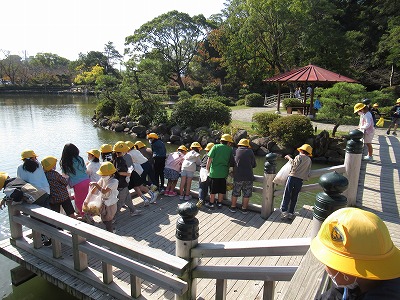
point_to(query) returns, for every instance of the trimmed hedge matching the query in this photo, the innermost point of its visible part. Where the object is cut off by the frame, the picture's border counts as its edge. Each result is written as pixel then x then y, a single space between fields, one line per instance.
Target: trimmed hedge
pixel 291 102
pixel 200 112
pixel 263 120
pixel 291 131
pixel 254 100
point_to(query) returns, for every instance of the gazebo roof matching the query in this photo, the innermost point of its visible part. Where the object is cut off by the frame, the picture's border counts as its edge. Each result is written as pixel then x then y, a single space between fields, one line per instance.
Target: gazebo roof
pixel 310 73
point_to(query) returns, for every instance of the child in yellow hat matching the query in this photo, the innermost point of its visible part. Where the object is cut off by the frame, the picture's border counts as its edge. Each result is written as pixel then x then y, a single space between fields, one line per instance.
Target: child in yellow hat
pixel 300 170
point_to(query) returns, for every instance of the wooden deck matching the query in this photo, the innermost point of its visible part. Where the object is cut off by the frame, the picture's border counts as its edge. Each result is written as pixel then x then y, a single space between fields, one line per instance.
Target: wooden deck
pixel 156 226
pixel 378 189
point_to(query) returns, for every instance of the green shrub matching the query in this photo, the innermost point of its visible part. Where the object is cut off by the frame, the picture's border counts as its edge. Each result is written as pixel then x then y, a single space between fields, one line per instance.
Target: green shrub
pixel 210 91
pixel 183 95
pixel 201 112
pixel 224 100
pixel 147 110
pixel 291 102
pixel 243 92
pixel 122 107
pixel 291 131
pixel 241 102
pixel 262 121
pixel 254 100
pixel 105 107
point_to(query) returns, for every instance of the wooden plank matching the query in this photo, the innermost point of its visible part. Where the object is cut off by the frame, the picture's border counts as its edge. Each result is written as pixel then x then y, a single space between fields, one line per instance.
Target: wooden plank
pixel 98 236
pixel 295 246
pixel 171 283
pixel 270 273
pixel 307 280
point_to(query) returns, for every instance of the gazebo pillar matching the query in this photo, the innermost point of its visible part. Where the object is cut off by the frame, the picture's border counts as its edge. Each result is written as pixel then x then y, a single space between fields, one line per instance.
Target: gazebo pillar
pixel 278 103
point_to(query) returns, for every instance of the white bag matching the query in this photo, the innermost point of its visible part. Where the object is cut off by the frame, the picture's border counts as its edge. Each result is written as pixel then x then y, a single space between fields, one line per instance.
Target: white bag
pixel 93 202
pixel 203 174
pixel 283 174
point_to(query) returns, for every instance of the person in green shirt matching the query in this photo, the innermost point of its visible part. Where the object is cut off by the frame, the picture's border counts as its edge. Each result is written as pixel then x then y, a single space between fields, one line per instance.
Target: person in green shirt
pixel 220 158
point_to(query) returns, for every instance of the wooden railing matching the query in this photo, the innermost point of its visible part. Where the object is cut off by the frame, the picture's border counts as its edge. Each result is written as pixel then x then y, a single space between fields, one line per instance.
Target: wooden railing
pixel 138 261
pixel 270 100
pixel 268 274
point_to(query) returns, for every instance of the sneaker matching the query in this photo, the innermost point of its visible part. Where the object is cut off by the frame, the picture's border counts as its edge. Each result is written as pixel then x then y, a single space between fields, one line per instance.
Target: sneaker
pixel 173 194
pixel 284 215
pixel 290 216
pixel 232 209
pixel 188 197
pixel 368 158
pixel 244 211
pixel 394 133
pixel 388 132
pixel 153 187
pixel 167 193
pixel 219 204
pixel 162 191
pixel 199 203
pixel 145 200
pixel 182 198
pixel 153 196
pixel 209 205
pixel 136 212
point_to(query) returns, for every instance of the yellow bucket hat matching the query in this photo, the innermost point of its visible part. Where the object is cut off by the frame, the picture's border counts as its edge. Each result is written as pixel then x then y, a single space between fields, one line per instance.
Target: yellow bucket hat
pixel 106 148
pixel 358 106
pixel 183 148
pixel 227 137
pixel 48 163
pixel 106 169
pixel 140 144
pixel 121 147
pixel 357 243
pixel 28 154
pixel 398 100
pixel 209 146
pixel 3 178
pixel 195 145
pixel 244 142
pixel 307 148
pixel 94 152
pixel 130 144
pixel 152 135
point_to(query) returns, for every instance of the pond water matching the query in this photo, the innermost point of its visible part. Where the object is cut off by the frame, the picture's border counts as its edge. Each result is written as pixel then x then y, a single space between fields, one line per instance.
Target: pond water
pixel 45 123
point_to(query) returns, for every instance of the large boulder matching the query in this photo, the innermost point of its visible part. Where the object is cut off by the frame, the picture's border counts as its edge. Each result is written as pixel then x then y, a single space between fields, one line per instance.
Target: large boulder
pixel 240 134
pixel 176 130
pixel 119 127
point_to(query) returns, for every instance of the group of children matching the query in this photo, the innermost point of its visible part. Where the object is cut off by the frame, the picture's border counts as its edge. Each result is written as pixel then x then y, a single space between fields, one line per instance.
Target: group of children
pixel 113 170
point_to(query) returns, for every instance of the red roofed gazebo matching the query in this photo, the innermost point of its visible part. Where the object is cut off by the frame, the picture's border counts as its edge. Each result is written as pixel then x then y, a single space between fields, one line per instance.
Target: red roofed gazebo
pixel 310 74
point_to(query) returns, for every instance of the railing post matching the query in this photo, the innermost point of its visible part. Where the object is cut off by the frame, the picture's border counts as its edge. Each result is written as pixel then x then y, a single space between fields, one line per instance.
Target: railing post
pixel 267 205
pixel 352 164
pixel 15 228
pixel 187 234
pixel 329 200
pixel 80 258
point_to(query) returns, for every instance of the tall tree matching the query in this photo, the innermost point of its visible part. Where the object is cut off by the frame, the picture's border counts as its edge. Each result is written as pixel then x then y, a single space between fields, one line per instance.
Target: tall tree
pixel 172 39
pixel 389 48
pixel 112 54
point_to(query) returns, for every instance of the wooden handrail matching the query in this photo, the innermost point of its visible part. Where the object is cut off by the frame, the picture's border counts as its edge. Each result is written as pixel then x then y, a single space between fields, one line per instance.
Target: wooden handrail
pixel 280 247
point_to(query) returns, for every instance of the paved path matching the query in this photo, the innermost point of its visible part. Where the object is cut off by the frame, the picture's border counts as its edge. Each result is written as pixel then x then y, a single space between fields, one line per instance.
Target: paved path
pixel 246 115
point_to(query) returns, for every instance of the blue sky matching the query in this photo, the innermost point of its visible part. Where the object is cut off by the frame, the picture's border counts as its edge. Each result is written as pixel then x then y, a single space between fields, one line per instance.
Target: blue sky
pixel 69 27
